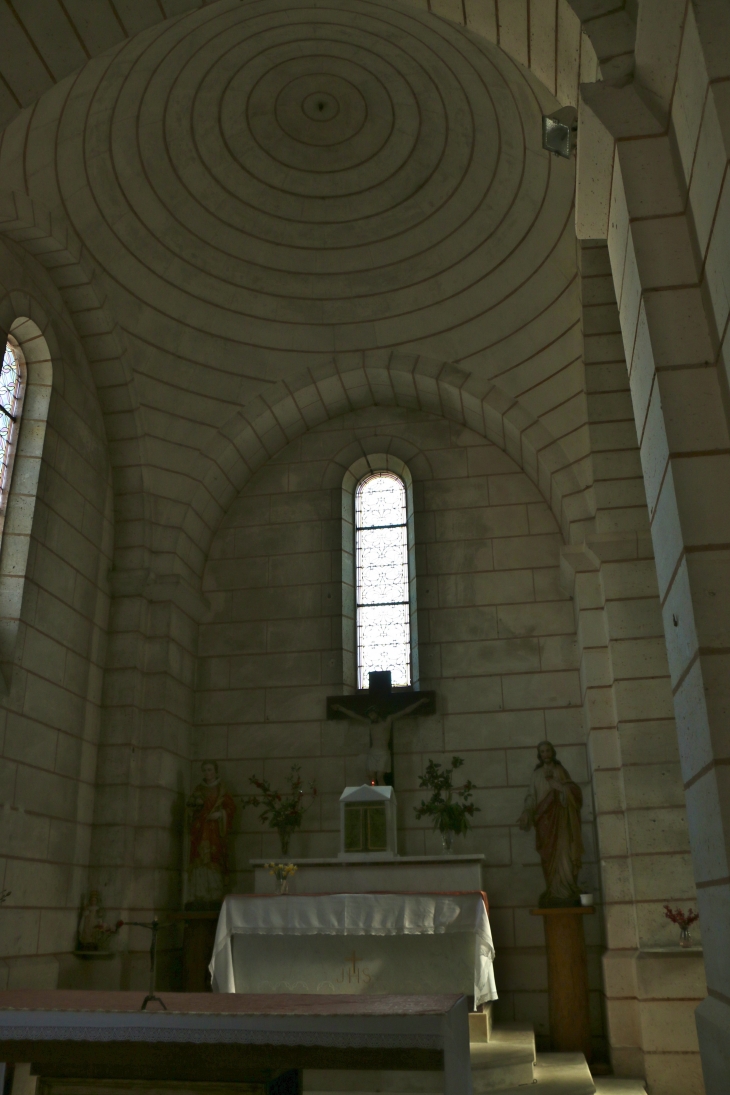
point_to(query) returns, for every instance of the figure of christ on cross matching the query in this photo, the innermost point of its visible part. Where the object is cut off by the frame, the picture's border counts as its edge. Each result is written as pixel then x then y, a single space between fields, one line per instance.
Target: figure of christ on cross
pixel 380 754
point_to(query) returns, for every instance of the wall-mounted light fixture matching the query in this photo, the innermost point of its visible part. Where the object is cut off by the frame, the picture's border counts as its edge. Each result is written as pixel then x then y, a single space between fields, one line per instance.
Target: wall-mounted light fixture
pixel 559 131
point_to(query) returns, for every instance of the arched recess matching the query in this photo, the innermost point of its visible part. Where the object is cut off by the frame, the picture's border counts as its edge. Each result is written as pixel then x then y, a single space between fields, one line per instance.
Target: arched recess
pixel 56 247
pixel 381 379
pixel 18 522
pixel 360 467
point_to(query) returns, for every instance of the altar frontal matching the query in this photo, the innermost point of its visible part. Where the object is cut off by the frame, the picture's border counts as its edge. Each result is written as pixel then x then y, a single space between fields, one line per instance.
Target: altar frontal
pixel 364 944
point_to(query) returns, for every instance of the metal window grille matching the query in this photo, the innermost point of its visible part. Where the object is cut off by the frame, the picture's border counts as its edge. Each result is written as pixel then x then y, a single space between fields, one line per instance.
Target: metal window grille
pixel 11 397
pixel 381 562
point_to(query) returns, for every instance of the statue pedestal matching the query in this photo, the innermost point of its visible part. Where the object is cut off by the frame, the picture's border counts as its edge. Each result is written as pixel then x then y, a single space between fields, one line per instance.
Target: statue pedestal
pixel 570 1022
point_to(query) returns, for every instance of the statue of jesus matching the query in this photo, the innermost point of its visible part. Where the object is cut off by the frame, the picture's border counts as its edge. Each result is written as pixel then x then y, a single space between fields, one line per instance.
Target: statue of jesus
pixel 553 804
pixel 379 761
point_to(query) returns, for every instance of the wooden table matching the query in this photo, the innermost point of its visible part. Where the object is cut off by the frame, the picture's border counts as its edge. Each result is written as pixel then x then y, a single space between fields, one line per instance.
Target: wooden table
pixel 568 1004
pixel 232 1037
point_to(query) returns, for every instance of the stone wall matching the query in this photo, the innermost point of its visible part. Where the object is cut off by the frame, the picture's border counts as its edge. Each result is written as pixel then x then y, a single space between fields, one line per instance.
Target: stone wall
pixel 497 643
pixel 49 710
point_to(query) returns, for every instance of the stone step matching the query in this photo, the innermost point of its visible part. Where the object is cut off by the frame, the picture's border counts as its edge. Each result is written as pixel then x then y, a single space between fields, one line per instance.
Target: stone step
pixel 480 1024
pixel 502 1063
pixel 560 1074
pixel 506 1060
pixel 617 1085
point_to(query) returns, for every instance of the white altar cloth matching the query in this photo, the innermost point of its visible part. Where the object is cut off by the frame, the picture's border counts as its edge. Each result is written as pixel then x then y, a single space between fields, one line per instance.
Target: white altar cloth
pixel 362 914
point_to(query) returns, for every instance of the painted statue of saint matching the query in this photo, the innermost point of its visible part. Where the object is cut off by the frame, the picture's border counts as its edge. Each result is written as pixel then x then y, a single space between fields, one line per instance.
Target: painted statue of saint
pixel 211 808
pixel 553 804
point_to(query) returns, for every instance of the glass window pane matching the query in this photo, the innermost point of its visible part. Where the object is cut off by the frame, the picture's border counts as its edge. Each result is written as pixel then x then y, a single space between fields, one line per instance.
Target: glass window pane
pixel 381 500
pixel 383 634
pixel 10 380
pixel 381 550
pixel 382 564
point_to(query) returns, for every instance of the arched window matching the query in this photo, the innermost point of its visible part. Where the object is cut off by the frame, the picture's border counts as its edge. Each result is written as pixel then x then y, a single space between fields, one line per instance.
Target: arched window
pixel 382 579
pixel 12 386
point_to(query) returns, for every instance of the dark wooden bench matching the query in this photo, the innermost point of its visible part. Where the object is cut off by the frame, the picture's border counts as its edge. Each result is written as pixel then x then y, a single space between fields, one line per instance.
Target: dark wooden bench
pixel 232 1037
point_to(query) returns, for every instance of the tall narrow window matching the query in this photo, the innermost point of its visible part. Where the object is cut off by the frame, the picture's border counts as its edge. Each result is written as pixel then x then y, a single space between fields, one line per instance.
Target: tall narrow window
pixel 381 562
pixel 11 402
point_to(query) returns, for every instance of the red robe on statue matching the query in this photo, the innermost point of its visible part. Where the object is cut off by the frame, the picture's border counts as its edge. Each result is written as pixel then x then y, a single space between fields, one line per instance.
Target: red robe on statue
pixel 556 816
pixel 213 810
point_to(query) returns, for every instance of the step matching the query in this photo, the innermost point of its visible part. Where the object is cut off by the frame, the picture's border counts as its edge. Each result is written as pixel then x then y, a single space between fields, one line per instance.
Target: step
pixel 480 1024
pixel 335 1081
pixel 561 1074
pixel 617 1085
pixel 506 1060
pixel 503 1063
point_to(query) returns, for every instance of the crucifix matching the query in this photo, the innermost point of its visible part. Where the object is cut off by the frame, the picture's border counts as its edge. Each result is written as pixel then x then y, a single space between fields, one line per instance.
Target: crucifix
pixel 379 707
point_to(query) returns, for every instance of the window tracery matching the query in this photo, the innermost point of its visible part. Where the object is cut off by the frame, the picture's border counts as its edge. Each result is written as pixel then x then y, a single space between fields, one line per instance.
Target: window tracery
pixel 382 579
pixel 11 401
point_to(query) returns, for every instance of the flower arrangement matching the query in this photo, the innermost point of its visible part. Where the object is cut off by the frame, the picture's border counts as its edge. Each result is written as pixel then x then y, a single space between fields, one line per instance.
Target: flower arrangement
pixel 449 807
pixel 282 810
pixel 282 872
pixel 684 921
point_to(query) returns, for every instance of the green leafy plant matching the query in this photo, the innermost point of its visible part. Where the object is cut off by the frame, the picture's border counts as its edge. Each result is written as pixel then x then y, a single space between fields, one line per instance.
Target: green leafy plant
pixel 449 807
pixel 282 810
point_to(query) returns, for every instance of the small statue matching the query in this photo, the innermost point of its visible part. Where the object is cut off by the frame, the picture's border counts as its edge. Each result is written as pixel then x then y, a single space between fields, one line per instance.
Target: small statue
pixel 92 933
pixel 211 808
pixel 90 920
pixel 379 759
pixel 553 804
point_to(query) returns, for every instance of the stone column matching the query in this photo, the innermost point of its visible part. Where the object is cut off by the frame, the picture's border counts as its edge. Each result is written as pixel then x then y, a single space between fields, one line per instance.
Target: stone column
pixel 144 754
pixel 639 799
pixel 668 231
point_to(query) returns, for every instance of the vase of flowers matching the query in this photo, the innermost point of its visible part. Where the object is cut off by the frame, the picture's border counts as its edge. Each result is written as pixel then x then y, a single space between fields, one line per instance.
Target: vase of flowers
pixel 282 810
pixel 282 872
pixel 684 921
pixel 449 807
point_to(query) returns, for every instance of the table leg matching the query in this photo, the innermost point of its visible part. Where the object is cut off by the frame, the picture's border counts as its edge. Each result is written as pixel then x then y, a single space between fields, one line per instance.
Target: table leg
pixel 457 1061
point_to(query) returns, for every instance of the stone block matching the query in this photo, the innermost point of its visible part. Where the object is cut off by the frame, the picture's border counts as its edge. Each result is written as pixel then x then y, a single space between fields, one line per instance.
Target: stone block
pixel 676 1073
pixel 543 690
pixel 658 831
pixel 508 587
pixel 512 552
pixel 457 557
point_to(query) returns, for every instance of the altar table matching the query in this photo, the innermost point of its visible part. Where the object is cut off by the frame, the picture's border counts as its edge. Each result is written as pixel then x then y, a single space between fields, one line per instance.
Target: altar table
pixel 211 1037
pixel 258 945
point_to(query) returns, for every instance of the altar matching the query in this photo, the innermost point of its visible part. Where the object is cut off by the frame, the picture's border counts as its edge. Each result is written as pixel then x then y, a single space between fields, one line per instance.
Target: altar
pixel 355 943
pixel 399 874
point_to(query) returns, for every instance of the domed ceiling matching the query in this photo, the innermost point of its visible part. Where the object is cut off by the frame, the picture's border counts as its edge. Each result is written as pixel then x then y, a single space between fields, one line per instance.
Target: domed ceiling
pixel 265 184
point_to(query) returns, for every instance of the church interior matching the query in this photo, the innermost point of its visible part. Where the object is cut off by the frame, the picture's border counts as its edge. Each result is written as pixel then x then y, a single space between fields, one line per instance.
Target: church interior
pixel 365 436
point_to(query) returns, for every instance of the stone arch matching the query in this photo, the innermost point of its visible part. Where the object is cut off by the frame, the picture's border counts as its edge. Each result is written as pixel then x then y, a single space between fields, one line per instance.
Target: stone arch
pixel 372 456
pixel 263 427
pixel 18 519
pixel 53 243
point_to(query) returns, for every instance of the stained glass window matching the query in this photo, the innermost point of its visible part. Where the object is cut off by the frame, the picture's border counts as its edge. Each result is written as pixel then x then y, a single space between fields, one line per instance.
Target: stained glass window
pixel 381 560
pixel 11 394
